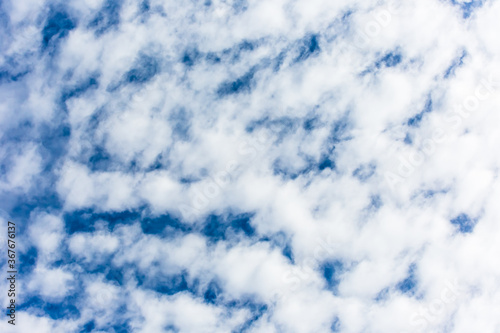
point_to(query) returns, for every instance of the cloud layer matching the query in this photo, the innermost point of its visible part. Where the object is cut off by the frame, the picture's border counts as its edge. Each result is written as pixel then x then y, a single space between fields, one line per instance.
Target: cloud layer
pixel 264 166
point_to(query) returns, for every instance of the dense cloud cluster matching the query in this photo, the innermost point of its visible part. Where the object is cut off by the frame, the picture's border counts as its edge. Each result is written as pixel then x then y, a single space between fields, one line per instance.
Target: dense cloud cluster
pixel 252 166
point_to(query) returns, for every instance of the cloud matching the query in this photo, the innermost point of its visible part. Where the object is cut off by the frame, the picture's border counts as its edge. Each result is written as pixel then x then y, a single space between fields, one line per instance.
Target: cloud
pixel 220 166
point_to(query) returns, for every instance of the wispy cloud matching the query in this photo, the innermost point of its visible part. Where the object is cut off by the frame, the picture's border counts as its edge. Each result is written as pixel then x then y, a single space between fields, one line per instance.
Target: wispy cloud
pixel 236 166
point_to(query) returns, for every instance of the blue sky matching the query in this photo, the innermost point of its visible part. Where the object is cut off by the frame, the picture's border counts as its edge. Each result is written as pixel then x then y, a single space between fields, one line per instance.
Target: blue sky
pixel 251 166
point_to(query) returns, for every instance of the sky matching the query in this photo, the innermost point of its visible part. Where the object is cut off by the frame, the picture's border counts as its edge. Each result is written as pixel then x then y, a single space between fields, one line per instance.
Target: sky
pixel 294 166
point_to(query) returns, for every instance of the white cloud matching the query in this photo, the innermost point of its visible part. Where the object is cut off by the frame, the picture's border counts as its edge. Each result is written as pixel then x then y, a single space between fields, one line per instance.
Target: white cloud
pixel 269 108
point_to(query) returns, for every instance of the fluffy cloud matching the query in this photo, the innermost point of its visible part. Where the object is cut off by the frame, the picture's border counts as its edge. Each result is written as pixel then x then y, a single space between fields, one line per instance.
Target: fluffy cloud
pixel 234 166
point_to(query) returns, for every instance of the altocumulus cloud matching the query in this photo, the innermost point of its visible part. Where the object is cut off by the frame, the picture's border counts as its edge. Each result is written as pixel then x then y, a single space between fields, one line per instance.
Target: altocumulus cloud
pixel 251 166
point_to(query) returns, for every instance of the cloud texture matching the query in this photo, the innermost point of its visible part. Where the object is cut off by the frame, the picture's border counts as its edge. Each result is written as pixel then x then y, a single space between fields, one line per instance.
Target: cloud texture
pixel 252 166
